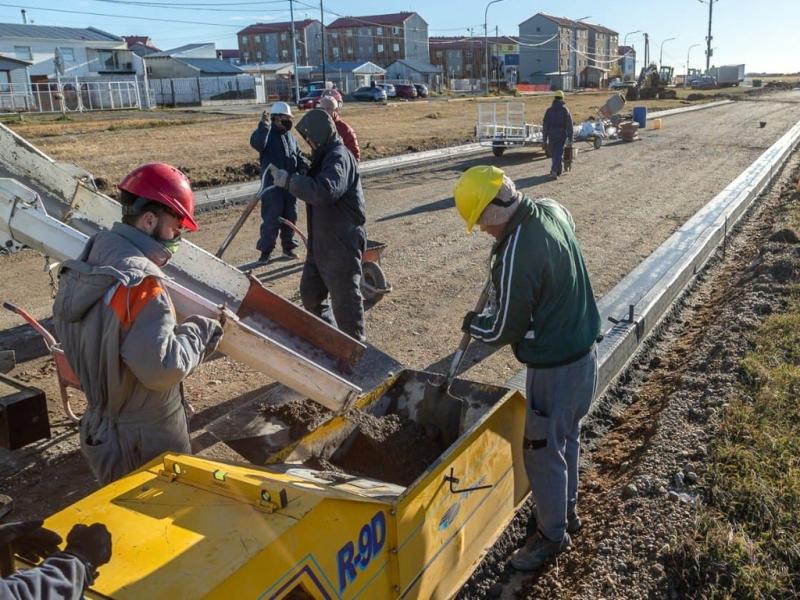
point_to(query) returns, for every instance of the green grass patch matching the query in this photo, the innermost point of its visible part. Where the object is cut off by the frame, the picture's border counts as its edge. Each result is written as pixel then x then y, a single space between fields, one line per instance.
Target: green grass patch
pixel 747 542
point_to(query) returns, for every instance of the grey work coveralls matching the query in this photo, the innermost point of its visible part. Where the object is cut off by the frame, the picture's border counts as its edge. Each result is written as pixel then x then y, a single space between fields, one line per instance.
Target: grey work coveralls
pixel 60 577
pixel 117 326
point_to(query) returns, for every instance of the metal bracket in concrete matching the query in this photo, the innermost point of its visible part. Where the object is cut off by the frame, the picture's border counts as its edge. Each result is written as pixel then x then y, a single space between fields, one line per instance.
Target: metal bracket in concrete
pixel 646 294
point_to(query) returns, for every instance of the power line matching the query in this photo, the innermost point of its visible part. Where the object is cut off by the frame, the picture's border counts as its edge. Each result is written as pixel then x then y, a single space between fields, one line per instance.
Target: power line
pixel 195 8
pixel 94 14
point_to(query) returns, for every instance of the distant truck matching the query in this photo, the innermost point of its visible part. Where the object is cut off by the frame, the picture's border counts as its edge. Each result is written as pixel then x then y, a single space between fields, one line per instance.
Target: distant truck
pixel 728 75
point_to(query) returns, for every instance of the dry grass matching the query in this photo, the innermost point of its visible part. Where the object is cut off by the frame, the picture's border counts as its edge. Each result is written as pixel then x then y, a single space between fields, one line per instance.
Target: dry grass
pixel 213 149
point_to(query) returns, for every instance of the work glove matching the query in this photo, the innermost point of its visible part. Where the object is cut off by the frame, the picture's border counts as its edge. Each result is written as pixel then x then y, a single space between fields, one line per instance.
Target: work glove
pixel 279 176
pixel 91 544
pixel 467 322
pixel 210 330
pixel 29 539
pixel 265 117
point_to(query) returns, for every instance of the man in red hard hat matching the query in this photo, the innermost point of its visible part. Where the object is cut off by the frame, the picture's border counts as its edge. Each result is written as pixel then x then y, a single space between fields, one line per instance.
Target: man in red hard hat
pixel 117 326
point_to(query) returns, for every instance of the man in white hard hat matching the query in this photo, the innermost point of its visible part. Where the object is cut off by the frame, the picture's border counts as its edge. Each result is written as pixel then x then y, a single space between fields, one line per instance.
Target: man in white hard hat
pixel 276 145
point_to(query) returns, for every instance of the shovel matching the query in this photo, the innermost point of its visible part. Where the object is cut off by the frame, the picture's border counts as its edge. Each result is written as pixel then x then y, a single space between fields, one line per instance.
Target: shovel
pixel 439 408
pixel 243 217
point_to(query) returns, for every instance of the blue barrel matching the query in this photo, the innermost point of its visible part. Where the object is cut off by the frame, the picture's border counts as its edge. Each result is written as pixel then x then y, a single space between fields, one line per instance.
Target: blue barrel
pixel 640 116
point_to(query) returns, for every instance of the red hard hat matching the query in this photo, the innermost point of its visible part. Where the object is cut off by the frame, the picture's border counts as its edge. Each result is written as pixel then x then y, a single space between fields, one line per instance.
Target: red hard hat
pixel 163 184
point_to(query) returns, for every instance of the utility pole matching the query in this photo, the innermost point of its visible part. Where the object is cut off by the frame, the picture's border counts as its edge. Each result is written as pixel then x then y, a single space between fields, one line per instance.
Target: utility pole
pixel 709 49
pixel 294 55
pixel 322 20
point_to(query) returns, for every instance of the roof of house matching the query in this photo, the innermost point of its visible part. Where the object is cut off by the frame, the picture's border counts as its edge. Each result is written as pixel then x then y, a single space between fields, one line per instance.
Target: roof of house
pixel 276 27
pixel 211 65
pixel 138 39
pixel 363 67
pixel 21 63
pixel 228 53
pixel 601 29
pixel 366 21
pixel 625 50
pixel 267 67
pixel 89 34
pixel 563 21
pixel 420 66
pixel 176 52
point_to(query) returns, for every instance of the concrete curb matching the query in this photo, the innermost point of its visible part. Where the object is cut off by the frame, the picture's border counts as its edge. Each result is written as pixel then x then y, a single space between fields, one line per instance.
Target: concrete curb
pixel 641 300
pixel 237 193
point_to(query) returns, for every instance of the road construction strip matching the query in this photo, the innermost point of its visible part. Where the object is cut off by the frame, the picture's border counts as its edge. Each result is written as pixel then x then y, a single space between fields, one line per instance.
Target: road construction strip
pixel 633 308
pixel 226 195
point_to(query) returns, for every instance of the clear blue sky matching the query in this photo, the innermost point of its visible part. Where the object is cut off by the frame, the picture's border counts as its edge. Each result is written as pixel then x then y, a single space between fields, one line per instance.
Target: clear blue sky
pixel 762 34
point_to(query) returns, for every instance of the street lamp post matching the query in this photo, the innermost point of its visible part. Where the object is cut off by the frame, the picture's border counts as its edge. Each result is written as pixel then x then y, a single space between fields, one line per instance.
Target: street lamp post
pixel 661 51
pixel 625 37
pixel 486 39
pixel 688 52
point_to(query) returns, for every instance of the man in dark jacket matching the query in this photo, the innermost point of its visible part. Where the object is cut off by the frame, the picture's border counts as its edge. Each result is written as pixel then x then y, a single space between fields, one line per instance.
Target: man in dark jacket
pixel 336 216
pixel 331 106
pixel 543 306
pixel 276 146
pixel 556 130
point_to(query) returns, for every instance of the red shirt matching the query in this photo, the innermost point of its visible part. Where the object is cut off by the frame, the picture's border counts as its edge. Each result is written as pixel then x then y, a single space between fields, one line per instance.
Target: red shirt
pixel 348 137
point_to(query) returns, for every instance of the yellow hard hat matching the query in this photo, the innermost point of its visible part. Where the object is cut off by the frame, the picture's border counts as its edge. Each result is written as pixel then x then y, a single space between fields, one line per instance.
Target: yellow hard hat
pixel 475 190
pixel 560 94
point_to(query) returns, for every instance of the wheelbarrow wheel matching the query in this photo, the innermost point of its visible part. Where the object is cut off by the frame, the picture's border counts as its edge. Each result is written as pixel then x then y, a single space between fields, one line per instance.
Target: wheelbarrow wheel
pixel 598 141
pixel 498 151
pixel 373 282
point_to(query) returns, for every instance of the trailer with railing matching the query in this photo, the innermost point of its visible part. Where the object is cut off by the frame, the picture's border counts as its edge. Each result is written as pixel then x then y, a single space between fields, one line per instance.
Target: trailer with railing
pixel 502 125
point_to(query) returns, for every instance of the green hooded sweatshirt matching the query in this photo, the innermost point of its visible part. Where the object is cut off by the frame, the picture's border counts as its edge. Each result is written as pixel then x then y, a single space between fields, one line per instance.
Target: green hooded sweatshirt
pixel 542 303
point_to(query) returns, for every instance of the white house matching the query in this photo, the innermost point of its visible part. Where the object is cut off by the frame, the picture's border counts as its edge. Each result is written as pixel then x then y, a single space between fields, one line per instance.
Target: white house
pixel 87 53
pixel 191 60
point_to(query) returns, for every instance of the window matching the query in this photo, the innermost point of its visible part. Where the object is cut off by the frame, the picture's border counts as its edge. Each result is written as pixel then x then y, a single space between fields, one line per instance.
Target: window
pixel 23 52
pixel 285 52
pixel 335 52
pixel 396 47
pixel 68 54
pixel 334 34
pixel 244 40
pixel 379 30
pixel 283 36
pixel 258 54
pixel 350 50
pixel 349 33
pixel 395 30
pixel 538 29
pixel 246 56
pixel 257 39
pixel 380 48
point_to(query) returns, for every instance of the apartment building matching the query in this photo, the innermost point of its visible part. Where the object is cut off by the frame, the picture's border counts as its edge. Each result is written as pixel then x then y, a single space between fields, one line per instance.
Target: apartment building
pixel 553 50
pixel 381 39
pixel 272 42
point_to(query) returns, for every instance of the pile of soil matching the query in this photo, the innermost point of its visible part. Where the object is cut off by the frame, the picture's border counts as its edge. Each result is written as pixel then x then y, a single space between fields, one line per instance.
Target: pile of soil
pixel 301 416
pixel 389 448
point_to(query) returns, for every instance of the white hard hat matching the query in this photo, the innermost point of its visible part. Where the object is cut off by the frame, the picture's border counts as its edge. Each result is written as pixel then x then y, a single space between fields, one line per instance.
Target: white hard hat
pixel 280 108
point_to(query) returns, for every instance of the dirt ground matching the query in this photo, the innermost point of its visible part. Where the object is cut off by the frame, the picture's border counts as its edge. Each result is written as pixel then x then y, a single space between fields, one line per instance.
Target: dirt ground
pixel 213 147
pixel 626 199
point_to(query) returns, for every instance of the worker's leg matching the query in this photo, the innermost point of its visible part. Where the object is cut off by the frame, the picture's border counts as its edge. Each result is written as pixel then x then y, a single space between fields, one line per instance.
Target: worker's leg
pixel 558 398
pixel 313 291
pixel 557 148
pixel 271 209
pixel 288 242
pixel 341 271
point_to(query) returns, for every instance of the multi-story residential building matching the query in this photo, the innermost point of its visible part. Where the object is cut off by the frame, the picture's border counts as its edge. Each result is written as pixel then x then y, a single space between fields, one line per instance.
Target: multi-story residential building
pixel 381 39
pixel 603 47
pixel 553 50
pixel 272 42
pixel 86 53
pixel 627 62
pixel 465 57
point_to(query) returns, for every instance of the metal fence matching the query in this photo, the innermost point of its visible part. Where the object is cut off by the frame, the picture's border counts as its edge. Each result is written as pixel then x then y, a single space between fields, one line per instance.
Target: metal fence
pixel 203 90
pixel 71 96
pixel 466 86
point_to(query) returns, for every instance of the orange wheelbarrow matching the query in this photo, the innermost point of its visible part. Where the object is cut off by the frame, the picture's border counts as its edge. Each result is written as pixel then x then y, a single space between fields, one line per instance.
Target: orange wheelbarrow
pixel 66 376
pixel 373 279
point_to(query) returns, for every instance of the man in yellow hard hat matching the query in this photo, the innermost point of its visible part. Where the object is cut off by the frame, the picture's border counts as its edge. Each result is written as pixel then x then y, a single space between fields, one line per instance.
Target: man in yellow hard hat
pixel 543 306
pixel 556 131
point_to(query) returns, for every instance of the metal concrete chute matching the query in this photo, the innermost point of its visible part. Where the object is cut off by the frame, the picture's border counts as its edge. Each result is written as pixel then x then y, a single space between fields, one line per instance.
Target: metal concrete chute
pixel 311 363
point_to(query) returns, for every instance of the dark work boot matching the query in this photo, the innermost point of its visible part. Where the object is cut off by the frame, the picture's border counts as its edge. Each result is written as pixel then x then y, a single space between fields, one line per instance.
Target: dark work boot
pixel 573 520
pixel 538 551
pixel 264 258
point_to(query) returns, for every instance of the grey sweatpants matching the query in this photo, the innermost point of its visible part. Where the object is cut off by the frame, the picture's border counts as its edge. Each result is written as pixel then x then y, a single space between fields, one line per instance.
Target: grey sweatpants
pixel 558 398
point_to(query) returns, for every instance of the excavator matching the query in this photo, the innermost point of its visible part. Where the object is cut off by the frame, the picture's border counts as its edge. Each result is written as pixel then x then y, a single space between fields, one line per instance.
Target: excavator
pixel 652 83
